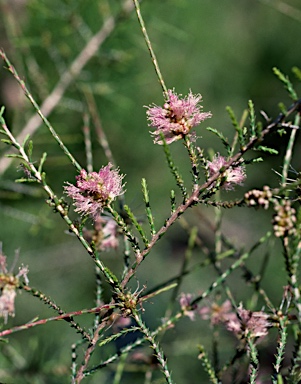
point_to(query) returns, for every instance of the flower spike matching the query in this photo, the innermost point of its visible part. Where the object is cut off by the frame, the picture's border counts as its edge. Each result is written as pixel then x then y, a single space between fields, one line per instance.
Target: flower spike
pixel 177 117
pixel 95 190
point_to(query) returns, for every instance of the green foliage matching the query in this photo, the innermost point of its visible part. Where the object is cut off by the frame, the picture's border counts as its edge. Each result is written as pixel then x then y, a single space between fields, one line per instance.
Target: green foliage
pixel 286 82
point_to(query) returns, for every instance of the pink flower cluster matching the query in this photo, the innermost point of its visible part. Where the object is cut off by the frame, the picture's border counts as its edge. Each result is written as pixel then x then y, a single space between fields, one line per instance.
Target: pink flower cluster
pixel 242 324
pixel 232 175
pixel 95 190
pixel 177 117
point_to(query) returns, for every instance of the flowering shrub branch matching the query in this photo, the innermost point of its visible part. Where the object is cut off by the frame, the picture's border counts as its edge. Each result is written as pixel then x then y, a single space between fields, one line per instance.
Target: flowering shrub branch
pixel 101 224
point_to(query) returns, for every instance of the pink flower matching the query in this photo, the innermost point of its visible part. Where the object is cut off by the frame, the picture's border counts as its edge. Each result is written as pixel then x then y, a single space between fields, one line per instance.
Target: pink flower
pixel 252 324
pixel 242 324
pixel 217 313
pixel 7 300
pixel 232 175
pixel 176 118
pixel 8 285
pixel 95 190
pixel 185 300
pixel 104 235
pixel 109 232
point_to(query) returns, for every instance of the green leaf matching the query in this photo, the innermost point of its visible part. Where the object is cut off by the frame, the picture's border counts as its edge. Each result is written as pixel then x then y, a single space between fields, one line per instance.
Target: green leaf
pixel 267 149
pixel 42 161
pixel 2 112
pixel 25 180
pixel 232 117
pixel 173 168
pixel 282 108
pixel 15 155
pixel 110 275
pixel 25 140
pixel 252 161
pixel 6 141
pixel 136 224
pixel 222 137
pixel 286 81
pixel 43 176
pixel 149 214
pixel 258 129
pixel 173 200
pixel 252 118
pixel 297 72
pixel 241 131
pixel 30 148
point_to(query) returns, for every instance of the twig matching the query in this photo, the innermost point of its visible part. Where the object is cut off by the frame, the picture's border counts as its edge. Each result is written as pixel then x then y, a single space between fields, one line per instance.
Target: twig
pixel 151 51
pixel 55 318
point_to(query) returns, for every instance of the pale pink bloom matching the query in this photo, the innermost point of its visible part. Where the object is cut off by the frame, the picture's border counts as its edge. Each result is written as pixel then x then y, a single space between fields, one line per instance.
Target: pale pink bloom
pixel 217 313
pixel 109 232
pixel 95 190
pixel 185 300
pixel 177 117
pixel 3 264
pixel 7 302
pixel 104 235
pixel 8 285
pixel 23 271
pixel 241 324
pixel 248 323
pixel 232 175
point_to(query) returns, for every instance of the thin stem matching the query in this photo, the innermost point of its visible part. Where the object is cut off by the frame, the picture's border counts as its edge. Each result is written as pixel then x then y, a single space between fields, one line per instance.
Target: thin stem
pixel 254 362
pixel 193 160
pixel 121 223
pixel 81 372
pixel 289 151
pixel 151 51
pixel 149 214
pixel 98 293
pixel 281 344
pixel 126 255
pixel 101 135
pixel 120 369
pixel 203 356
pixel 88 143
pixel 65 316
pixel 155 346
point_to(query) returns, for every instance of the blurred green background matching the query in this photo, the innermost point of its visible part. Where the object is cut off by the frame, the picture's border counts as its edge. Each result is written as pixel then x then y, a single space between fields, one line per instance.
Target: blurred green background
pixel 225 51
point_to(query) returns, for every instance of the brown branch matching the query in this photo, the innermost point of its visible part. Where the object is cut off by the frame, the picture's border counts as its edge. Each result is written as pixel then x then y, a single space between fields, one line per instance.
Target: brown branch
pixel 80 373
pixel 55 318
